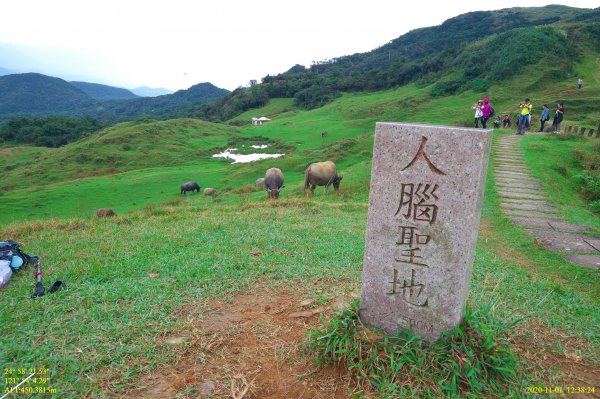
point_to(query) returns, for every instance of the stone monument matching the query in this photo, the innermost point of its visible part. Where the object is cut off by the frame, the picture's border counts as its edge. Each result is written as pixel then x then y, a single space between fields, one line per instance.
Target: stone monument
pixel 425 201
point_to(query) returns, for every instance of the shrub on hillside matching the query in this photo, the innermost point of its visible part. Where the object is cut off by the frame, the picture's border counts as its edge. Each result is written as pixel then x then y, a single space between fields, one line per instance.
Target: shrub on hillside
pixel 506 55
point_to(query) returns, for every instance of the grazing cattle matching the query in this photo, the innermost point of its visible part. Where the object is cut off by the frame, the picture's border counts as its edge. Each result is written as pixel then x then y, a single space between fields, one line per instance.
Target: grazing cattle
pixel 273 182
pixel 260 182
pixel 321 174
pixel 189 186
pixel 105 212
pixel 210 191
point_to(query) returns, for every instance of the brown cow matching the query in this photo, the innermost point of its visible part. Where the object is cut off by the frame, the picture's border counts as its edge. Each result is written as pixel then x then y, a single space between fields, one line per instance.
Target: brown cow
pixel 210 191
pixel 321 174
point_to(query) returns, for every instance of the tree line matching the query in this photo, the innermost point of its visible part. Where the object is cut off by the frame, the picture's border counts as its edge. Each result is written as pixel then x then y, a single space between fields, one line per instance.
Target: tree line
pixel 51 131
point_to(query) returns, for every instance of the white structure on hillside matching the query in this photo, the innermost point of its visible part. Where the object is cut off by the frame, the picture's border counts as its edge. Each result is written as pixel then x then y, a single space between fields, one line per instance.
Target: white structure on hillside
pixel 260 121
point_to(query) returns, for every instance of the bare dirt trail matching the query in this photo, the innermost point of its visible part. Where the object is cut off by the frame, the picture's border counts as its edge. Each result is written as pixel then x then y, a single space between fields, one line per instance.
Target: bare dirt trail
pixel 250 347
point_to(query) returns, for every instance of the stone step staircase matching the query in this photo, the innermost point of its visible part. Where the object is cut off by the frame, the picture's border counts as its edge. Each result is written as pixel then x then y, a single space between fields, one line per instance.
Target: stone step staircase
pixel 523 200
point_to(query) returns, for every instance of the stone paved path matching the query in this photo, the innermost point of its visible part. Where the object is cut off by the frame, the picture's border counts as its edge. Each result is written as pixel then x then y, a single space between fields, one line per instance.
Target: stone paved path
pixel 523 200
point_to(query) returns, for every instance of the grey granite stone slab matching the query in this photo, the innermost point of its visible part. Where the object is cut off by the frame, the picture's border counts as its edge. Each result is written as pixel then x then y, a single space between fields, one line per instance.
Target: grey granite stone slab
pixel 502 171
pixel 512 168
pixel 499 177
pixel 510 165
pixel 424 207
pixel 532 214
pixel 529 207
pixel 507 158
pixel 511 162
pixel 536 201
pixel 521 190
pixel 591 261
pixel 531 222
pixel 549 224
pixel 530 183
pixel 517 185
pixel 517 195
pixel 503 176
pixel 511 174
pixel 506 152
pixel 515 180
pixel 566 241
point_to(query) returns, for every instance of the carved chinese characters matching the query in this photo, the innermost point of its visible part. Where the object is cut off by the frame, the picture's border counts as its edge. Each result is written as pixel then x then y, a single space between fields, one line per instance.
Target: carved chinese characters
pixel 426 192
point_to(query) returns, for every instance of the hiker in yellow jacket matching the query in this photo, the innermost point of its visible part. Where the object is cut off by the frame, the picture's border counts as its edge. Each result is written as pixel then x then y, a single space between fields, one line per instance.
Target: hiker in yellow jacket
pixel 525 107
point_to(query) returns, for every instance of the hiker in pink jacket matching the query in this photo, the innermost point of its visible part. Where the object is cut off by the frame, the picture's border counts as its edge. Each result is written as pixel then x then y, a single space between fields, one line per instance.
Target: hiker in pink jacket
pixel 485 111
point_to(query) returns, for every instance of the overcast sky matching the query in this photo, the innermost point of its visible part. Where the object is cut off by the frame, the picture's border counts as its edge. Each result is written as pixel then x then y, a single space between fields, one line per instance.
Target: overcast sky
pixel 177 43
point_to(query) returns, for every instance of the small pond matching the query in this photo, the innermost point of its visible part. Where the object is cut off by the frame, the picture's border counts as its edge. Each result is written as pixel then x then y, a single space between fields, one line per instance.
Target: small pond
pixel 230 153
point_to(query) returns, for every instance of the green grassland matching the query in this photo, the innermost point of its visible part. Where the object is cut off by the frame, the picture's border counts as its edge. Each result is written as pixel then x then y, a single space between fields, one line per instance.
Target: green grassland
pixel 106 330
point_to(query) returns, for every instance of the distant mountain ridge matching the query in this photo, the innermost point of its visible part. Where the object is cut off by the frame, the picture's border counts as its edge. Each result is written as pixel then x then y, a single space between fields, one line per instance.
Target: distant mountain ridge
pixel 35 94
pixel 104 92
pixel 145 91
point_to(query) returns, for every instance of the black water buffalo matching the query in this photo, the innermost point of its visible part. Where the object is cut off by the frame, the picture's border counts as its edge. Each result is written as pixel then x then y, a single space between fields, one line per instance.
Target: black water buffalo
pixel 189 186
pixel 273 182
pixel 321 174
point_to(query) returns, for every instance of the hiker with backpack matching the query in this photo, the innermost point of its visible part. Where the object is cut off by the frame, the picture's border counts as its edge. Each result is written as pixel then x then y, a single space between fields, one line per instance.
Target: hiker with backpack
pixel 558 117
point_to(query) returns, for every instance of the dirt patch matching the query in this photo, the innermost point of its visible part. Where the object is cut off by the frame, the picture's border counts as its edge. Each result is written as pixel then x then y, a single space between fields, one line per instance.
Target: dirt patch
pixel 5 152
pixel 250 347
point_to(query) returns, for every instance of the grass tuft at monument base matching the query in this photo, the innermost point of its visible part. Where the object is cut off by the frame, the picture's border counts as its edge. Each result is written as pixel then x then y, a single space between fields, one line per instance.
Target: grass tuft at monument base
pixel 472 360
